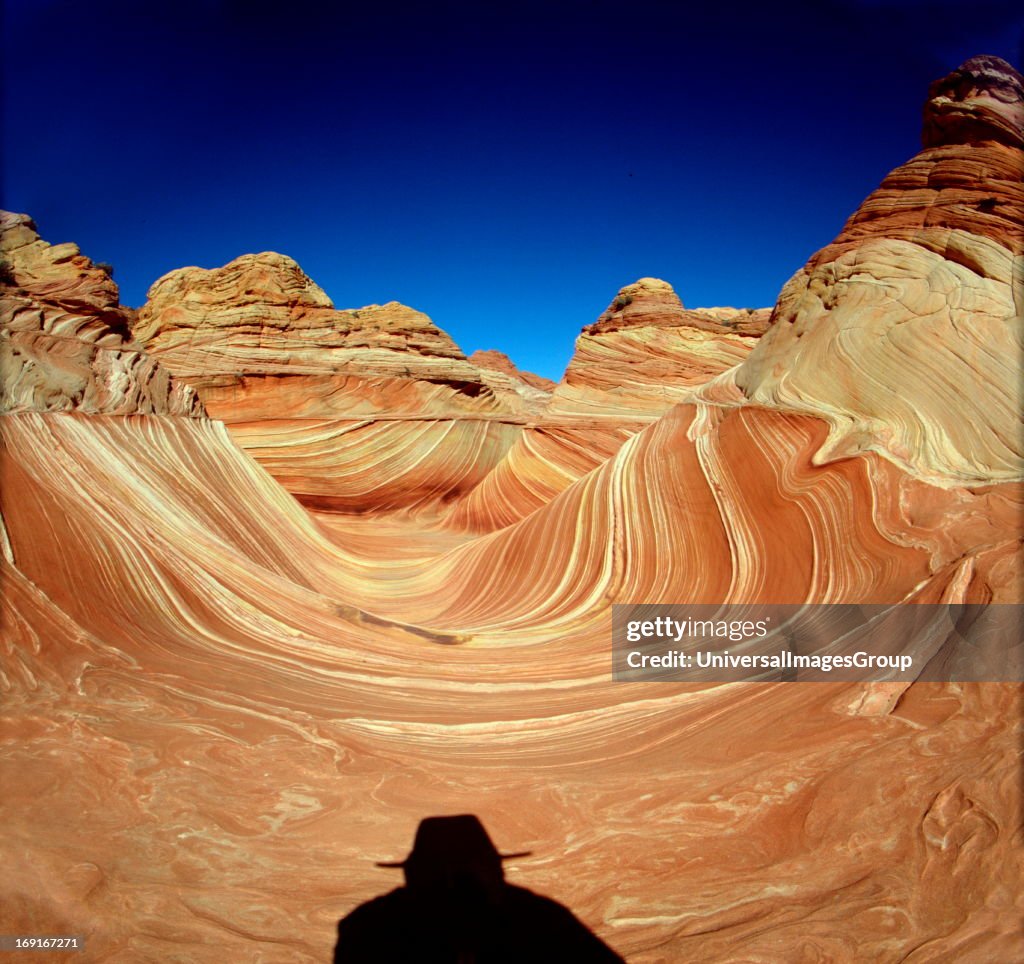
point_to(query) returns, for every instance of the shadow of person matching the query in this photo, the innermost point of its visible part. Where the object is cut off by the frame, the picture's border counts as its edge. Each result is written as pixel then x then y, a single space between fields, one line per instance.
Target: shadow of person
pixel 456 908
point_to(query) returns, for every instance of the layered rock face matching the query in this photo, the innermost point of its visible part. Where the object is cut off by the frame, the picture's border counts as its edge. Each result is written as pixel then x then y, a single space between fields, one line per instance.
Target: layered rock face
pixel 979 101
pixel 647 352
pixel 643 355
pixel 259 316
pixel 905 332
pixel 490 360
pixel 65 342
pixel 521 391
pixel 222 710
pixel 365 410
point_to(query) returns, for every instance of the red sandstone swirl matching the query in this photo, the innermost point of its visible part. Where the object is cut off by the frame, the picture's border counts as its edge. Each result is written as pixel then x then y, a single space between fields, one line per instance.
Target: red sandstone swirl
pixel 644 354
pixel 906 332
pixel 217 718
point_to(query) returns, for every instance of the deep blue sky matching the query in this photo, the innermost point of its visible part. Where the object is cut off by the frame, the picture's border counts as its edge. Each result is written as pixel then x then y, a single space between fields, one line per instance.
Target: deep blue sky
pixel 505 167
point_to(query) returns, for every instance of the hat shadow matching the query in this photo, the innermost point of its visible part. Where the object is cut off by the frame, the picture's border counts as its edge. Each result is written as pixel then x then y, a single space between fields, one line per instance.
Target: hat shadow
pixel 457 908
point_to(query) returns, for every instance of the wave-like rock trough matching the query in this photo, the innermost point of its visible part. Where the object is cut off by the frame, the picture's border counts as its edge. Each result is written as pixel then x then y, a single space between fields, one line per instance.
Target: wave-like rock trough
pixel 279 580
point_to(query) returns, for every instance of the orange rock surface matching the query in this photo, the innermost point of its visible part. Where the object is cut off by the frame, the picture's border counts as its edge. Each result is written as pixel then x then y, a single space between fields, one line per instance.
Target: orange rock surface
pixel 490 360
pixel 221 708
pixel 365 410
pixel 65 342
pixel 644 354
pixel 905 332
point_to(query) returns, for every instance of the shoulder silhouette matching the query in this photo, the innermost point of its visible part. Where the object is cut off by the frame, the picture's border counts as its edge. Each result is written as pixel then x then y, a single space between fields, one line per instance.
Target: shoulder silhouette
pixel 456 908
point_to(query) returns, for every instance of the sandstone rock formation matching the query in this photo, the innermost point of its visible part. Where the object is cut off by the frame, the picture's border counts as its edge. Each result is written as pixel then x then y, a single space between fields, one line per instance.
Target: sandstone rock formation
pixel 489 360
pixel 646 352
pixel 905 333
pixel 363 410
pixel 260 316
pixel 65 342
pixel 221 710
pixel 643 355
pixel 979 101
pixel 521 391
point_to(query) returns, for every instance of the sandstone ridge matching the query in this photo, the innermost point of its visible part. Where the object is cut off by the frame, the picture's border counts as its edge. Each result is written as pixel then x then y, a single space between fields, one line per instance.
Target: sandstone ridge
pixel 372 409
pixel 497 361
pixel 644 354
pixel 915 304
pixel 261 315
pixel 65 340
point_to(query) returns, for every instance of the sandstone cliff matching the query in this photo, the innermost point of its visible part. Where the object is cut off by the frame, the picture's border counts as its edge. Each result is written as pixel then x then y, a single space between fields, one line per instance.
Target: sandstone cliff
pixel 905 333
pixel 644 354
pixel 521 391
pixel 365 410
pixel 647 352
pixel 65 342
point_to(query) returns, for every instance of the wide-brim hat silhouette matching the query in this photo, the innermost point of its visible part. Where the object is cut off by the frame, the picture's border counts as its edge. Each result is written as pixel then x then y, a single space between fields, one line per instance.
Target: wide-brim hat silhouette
pixel 459 839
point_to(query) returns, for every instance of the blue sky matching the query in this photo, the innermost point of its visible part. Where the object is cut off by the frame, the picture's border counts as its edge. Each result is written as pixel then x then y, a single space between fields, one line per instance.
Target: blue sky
pixel 504 167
